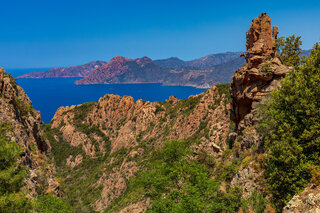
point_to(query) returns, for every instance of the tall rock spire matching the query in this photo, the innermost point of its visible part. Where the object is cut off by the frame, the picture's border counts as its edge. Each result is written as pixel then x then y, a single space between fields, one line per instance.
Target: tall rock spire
pixel 262 73
pixel 260 40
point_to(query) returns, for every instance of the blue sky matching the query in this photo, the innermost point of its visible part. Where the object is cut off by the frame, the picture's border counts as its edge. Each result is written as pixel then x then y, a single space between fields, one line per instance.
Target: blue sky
pixel 53 33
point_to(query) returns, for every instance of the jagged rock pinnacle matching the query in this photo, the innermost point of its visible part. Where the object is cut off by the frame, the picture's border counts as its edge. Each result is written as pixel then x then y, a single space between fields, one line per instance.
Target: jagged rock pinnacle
pixel 263 73
pixel 260 40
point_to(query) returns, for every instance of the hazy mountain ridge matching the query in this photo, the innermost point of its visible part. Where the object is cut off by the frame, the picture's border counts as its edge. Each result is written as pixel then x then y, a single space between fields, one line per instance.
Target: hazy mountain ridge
pixel 74 71
pixel 203 62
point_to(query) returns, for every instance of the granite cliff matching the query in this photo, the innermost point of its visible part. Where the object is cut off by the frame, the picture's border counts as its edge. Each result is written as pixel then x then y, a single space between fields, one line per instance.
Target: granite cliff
pixel 261 75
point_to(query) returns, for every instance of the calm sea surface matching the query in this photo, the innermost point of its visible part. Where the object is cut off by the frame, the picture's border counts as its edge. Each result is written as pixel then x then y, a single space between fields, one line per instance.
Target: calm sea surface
pixel 47 95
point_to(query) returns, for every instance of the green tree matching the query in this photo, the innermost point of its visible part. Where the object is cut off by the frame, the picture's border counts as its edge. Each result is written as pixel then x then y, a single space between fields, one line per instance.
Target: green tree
pixel 291 128
pixel 289 50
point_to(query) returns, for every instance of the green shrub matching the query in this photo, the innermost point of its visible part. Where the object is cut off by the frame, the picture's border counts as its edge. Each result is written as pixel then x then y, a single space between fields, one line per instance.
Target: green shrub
pixel 291 128
pixel 266 67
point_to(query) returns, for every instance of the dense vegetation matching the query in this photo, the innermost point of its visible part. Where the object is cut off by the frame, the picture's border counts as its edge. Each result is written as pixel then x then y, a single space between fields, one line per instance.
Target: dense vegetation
pixel 176 183
pixel 291 127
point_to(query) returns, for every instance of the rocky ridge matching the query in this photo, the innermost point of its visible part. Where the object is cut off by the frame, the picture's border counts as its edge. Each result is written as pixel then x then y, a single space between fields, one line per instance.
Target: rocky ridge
pixel 144 70
pixel 22 126
pixel 114 124
pixel 203 62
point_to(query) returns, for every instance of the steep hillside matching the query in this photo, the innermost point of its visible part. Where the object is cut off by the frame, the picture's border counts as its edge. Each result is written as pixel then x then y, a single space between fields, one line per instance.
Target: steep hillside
pixel 26 175
pixel 74 71
pixel 100 147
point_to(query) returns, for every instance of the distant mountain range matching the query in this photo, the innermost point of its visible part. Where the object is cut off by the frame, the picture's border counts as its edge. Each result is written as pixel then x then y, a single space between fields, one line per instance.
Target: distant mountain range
pixel 202 72
pixel 74 71
pixel 204 62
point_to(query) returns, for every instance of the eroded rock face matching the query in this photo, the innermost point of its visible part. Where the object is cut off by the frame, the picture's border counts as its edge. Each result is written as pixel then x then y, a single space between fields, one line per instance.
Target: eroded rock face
pixel 262 73
pixel 123 120
pixel 129 124
pixel 260 41
pixel 21 124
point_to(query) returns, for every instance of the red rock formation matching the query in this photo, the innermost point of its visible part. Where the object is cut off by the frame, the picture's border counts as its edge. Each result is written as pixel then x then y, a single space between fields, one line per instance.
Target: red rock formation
pixel 259 40
pixel 128 123
pixel 263 72
pixel 125 70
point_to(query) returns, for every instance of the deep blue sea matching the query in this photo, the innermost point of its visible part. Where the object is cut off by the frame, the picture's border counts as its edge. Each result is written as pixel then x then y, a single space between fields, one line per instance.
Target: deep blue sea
pixel 47 95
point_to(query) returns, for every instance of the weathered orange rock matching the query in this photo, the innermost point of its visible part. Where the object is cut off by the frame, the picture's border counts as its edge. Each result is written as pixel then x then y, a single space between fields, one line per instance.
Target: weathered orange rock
pixel 259 38
pixel 252 82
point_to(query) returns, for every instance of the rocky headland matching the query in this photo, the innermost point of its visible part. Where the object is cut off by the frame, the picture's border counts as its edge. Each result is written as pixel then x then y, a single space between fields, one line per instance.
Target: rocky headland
pixel 74 71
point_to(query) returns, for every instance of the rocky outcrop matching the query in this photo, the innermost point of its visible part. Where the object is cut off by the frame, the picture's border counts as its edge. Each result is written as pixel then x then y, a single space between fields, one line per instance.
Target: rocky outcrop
pixel 262 73
pixel 307 201
pixel 128 124
pixel 21 124
pixel 260 42
pixel 123 120
pixel 249 87
pixel 74 71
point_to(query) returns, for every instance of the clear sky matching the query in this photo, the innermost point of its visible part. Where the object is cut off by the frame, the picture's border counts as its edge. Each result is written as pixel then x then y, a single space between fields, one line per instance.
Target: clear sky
pixel 50 33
